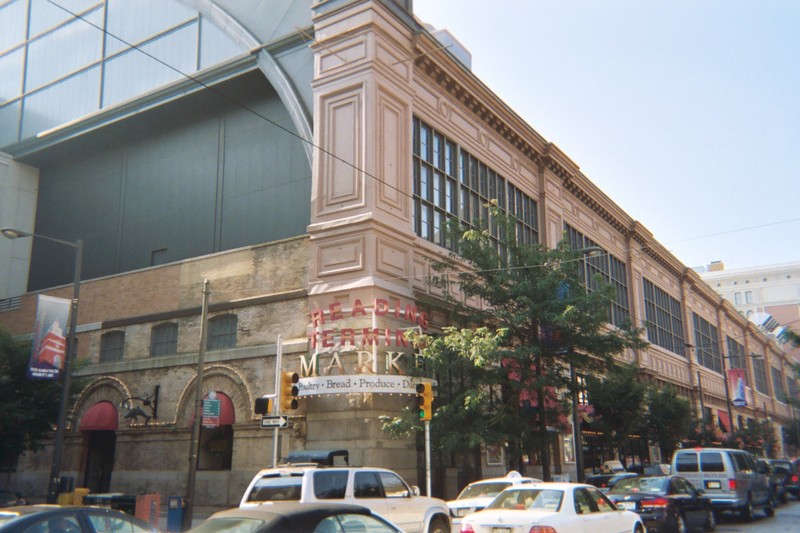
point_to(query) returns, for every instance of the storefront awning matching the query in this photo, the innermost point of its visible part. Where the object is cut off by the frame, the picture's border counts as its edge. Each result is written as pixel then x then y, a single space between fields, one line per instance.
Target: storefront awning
pixel 102 416
pixel 724 421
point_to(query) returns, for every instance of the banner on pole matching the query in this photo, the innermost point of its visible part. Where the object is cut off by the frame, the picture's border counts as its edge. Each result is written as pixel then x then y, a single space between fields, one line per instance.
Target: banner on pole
pixel 737 382
pixel 49 340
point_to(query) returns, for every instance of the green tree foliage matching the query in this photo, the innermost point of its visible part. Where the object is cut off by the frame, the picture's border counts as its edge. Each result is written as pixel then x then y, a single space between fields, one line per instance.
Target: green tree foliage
pixel 668 418
pixel 618 399
pixel 529 317
pixel 28 408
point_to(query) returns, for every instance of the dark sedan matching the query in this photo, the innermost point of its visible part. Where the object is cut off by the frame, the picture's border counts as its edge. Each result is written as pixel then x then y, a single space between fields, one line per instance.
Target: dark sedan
pixel 69 519
pixel 606 482
pixel 665 503
pixel 291 517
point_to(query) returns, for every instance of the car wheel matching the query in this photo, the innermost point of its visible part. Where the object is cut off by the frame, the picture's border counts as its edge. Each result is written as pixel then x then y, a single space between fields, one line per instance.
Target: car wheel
pixel 680 524
pixel 784 497
pixel 747 511
pixel 769 509
pixel 639 529
pixel 711 520
pixel 438 526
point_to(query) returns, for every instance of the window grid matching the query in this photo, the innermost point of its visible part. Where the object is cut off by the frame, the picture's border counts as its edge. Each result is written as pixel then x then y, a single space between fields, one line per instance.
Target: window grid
pixel 112 345
pixel 735 353
pixel 777 385
pixel 164 339
pixel 707 344
pixel 760 374
pixel 451 185
pixel 610 269
pixel 222 332
pixel 663 319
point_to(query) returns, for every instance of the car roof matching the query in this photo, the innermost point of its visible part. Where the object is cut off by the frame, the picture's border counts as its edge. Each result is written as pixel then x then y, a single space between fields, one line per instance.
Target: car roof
pixel 291 516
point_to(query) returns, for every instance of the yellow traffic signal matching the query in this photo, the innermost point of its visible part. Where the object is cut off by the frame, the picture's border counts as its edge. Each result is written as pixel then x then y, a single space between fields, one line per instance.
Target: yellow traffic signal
pixel 263 406
pixel 425 400
pixel 289 391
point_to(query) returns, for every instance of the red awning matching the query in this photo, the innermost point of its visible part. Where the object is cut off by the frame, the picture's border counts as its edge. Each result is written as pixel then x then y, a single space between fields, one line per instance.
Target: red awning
pixel 227 414
pixel 724 421
pixel 102 416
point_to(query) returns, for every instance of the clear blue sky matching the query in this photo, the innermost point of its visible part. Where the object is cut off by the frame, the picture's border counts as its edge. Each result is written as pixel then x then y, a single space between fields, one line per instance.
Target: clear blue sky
pixel 685 113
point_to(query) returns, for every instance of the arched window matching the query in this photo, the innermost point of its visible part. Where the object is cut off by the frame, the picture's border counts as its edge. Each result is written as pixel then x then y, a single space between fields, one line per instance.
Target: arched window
pixel 164 339
pixel 222 332
pixel 112 345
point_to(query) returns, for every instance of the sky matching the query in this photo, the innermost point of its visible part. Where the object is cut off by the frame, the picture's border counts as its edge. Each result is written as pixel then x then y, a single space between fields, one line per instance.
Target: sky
pixel 686 113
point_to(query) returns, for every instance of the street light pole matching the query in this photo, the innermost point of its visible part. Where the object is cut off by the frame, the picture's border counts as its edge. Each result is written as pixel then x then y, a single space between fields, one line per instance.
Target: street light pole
pixel 66 379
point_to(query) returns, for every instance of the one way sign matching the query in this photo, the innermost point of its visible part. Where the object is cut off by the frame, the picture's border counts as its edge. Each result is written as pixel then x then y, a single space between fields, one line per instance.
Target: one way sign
pixel 274 422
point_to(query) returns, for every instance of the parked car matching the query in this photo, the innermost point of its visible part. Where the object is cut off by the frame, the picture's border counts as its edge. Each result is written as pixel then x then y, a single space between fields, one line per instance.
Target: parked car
pixel 291 517
pixel 478 494
pixel 665 503
pixel 790 481
pixel 381 490
pixel 69 519
pixel 729 477
pixel 9 498
pixel 777 480
pixel 793 481
pixel 606 482
pixel 552 507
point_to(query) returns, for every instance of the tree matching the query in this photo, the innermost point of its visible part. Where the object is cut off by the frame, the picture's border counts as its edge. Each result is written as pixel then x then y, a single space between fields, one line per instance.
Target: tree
pixel 505 364
pixel 28 408
pixel 618 399
pixel 668 418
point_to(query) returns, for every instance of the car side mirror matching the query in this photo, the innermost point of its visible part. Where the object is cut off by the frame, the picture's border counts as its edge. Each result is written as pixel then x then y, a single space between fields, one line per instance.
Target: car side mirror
pixel 415 490
pixel 620 507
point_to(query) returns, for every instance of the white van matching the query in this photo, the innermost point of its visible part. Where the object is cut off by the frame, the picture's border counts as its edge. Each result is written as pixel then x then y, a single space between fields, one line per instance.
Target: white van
pixel 730 478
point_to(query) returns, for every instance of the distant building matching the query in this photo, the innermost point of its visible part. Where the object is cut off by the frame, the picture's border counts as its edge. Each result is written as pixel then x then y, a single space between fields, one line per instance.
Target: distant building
pixel 768 296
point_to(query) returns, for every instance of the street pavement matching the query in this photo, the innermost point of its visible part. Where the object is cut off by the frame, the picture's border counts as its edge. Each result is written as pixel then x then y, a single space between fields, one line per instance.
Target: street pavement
pixel 787 518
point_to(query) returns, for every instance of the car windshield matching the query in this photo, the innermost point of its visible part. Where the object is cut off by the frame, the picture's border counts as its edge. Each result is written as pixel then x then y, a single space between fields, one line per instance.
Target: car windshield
pixel 229 525
pixel 276 488
pixel 528 499
pixel 653 485
pixel 479 490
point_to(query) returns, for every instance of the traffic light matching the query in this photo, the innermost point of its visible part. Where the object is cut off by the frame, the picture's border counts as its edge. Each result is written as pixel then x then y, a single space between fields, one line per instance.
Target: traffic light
pixel 263 406
pixel 289 391
pixel 425 400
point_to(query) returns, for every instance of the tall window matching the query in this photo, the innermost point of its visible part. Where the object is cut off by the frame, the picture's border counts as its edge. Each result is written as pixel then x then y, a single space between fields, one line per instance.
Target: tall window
pixel 791 382
pixel 777 384
pixel 164 339
pixel 222 332
pixel 663 319
pixel 735 354
pixel 611 271
pixel 760 371
pixel 706 341
pixel 452 185
pixel 112 345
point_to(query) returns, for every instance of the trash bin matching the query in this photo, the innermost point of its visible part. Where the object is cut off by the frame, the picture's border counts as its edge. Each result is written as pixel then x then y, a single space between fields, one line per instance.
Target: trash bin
pixel 175 513
pixel 66 484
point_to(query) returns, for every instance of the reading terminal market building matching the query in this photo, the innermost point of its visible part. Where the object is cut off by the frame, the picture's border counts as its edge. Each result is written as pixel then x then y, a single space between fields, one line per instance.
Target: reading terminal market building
pixel 303 157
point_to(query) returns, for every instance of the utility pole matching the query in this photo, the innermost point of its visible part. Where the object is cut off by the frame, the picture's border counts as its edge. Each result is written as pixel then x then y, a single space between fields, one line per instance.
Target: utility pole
pixel 198 412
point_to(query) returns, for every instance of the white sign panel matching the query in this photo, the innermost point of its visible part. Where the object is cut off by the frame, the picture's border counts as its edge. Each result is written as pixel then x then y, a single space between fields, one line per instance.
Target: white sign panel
pixel 380 384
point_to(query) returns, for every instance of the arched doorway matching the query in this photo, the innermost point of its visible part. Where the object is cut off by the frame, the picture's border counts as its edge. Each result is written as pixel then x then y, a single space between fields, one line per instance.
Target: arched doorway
pixel 216 441
pixel 99 427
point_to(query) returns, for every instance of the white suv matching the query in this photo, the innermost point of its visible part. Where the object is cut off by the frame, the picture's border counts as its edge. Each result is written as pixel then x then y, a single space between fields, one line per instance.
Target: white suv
pixel 381 490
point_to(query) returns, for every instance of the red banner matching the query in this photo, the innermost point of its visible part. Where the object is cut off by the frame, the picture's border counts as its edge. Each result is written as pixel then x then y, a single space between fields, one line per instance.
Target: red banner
pixel 49 338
